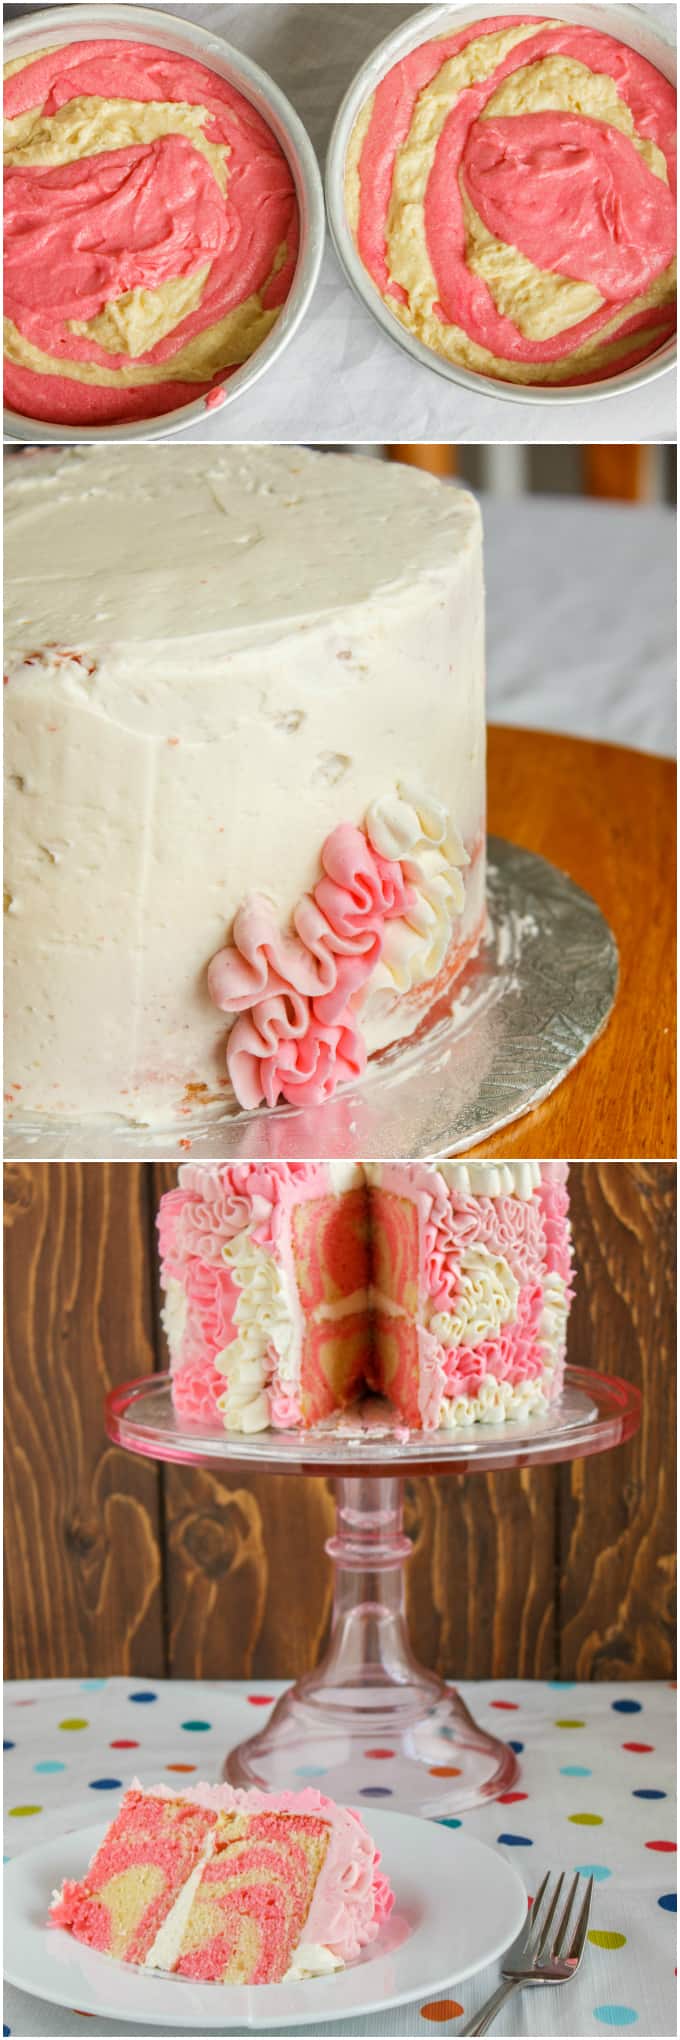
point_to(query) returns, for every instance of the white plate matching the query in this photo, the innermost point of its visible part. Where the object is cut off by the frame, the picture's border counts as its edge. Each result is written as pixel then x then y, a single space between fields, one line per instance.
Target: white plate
pixel 458 1906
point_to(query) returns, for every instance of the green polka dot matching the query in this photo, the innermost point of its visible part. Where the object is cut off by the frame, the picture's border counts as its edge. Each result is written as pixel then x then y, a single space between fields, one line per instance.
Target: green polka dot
pixel 74 1721
pixel 601 1938
pixel 570 1724
pixel 586 1819
pixel 18 1812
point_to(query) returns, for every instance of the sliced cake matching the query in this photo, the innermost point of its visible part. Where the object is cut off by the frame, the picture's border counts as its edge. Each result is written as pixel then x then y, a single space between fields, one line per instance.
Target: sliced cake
pixel 229 1887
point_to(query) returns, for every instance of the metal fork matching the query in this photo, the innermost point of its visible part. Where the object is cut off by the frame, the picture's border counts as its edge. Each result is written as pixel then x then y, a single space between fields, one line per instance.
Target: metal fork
pixel 541 1954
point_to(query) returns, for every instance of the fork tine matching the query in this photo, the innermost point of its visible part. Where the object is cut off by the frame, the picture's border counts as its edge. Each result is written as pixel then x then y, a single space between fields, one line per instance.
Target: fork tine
pixel 578 1938
pixel 538 1949
pixel 561 1934
pixel 532 1919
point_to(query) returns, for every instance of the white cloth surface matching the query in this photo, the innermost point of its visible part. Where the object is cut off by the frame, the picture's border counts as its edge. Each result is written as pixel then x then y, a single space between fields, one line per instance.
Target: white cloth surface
pixel 581 618
pixel 342 378
pixel 578 1756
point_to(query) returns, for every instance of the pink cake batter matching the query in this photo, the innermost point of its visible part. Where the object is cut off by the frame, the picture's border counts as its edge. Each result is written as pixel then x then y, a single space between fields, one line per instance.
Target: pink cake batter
pixel 80 234
pixel 572 193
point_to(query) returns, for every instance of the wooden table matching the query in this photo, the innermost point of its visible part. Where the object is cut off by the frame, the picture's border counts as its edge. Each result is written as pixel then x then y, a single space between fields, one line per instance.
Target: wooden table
pixel 606 816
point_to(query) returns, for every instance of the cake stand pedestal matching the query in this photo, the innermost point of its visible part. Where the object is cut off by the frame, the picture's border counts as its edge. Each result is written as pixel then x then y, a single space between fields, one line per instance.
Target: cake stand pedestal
pixel 369 1722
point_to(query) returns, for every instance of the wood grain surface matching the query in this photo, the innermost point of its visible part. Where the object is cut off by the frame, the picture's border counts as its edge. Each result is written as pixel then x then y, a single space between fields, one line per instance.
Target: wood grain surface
pixel 114 1565
pixel 606 816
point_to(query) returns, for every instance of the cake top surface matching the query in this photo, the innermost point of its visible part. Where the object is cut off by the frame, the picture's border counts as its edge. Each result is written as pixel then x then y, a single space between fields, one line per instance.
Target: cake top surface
pixel 140 544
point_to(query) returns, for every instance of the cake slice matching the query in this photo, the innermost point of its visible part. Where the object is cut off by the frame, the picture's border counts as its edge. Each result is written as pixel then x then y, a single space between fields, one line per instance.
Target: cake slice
pixel 153 1851
pixel 229 1887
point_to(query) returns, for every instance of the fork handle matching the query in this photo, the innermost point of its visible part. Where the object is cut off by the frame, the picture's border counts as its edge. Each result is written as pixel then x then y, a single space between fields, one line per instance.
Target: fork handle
pixel 485 2018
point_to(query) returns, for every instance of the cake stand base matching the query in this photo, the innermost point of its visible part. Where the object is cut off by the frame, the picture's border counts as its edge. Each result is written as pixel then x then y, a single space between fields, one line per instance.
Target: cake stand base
pixel 369 1722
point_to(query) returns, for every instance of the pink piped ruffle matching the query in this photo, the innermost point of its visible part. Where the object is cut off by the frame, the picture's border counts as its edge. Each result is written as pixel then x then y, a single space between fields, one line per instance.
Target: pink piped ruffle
pixel 295 1037
pixel 195 1392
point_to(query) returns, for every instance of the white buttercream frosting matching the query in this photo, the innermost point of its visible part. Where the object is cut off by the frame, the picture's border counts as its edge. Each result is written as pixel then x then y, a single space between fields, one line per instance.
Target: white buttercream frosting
pixel 311 1958
pixel 411 826
pixel 174 1310
pixel 265 1316
pixel 491 1179
pixel 486 1298
pixel 496 1402
pixel 552 1329
pixel 164 1951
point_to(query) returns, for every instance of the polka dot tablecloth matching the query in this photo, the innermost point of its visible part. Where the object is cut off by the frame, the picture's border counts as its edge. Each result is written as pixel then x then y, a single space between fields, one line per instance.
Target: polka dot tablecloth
pixel 595 1793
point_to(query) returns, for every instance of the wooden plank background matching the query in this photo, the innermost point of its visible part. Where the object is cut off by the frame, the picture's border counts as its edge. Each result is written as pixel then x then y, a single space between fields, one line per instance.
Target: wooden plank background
pixel 117 1565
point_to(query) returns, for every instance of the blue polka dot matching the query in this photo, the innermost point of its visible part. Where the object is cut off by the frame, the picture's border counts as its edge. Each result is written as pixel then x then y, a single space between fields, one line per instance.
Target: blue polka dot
pixel 310 1771
pixel 95 1686
pixel 560 1685
pixel 105 1784
pixel 7 2029
pixel 575 1771
pixel 195 1727
pixel 49 1764
pixel 447 1820
pixel 8 1745
pixel 615 2015
pixel 375 1792
pixel 627 1707
pixel 517 1747
pixel 142 1697
pixel 597 1871
pixel 669 1902
pixel 516 1841
pixel 648 1792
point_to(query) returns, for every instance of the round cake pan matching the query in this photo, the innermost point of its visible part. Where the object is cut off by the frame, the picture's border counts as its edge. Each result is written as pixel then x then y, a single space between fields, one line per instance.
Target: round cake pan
pixel 169 32
pixel 627 24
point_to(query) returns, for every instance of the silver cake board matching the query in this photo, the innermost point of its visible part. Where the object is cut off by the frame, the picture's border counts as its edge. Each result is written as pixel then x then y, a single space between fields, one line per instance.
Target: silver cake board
pixel 527 1008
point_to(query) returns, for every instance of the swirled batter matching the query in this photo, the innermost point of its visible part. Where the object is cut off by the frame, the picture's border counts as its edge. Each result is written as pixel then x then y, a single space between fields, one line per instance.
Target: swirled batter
pixel 151 232
pixel 511 192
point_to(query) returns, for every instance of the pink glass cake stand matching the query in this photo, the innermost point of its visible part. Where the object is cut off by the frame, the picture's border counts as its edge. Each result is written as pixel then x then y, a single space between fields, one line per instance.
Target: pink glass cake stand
pixel 369 1699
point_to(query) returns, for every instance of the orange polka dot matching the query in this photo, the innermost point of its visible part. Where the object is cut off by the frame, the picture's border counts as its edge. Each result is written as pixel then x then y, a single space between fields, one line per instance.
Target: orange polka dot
pixel 441 2009
pixel 444 1771
pixel 180 1767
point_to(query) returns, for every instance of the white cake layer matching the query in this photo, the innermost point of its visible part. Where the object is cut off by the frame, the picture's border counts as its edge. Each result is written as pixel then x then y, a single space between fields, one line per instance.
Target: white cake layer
pixel 268 641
